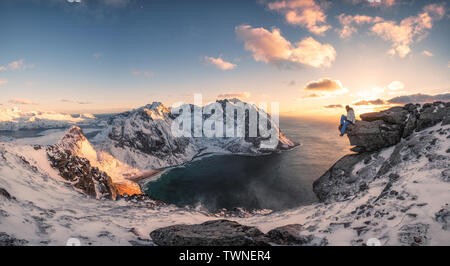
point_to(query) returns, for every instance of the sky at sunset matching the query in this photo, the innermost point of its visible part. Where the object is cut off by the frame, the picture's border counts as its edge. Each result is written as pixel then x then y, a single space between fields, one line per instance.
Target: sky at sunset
pixel 311 56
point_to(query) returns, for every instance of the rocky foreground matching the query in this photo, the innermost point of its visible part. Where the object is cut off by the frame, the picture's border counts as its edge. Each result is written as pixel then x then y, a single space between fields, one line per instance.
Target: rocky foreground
pixel 396 189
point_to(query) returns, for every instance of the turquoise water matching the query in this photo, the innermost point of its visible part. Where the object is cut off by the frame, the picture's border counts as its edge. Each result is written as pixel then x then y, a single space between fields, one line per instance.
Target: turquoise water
pixel 277 182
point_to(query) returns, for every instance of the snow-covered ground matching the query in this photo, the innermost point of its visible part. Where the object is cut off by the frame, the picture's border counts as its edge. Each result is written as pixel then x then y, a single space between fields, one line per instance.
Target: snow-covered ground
pixel 414 208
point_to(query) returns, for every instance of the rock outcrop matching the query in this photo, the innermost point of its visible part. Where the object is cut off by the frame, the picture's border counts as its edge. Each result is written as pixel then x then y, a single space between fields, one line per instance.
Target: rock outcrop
pixel 230 233
pixel 72 157
pixel 211 233
pixel 386 128
pixel 79 172
pixel 292 234
pixel 353 173
pixel 9 241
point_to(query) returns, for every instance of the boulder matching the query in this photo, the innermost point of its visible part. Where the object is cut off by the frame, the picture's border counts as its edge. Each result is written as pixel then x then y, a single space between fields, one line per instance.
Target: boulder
pixel 291 235
pixel 211 233
pixel 230 233
pixel 372 136
pixel 339 183
pixel 394 115
pixel 431 115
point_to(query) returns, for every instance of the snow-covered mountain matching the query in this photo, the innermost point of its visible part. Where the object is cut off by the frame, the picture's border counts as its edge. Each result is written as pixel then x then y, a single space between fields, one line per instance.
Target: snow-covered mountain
pixel 398 195
pixel 16 119
pixel 143 138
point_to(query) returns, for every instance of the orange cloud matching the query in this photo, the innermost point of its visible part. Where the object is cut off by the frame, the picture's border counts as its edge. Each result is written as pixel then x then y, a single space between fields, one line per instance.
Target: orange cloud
pixel 219 63
pixel 370 102
pixel 3 81
pixel 324 87
pixel 427 53
pixel 22 101
pixel 305 13
pixel 332 106
pixel 271 47
pixel 239 95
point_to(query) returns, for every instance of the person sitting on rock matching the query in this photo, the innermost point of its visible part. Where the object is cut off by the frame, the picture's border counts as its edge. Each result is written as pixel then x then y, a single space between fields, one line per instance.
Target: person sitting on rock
pixel 346 120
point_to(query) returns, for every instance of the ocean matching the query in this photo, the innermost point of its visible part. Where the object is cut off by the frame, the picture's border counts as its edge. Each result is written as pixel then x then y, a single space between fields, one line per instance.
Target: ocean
pixel 278 181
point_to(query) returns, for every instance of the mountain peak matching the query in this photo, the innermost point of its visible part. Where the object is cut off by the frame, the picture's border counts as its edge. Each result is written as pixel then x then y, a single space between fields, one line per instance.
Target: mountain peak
pixel 72 139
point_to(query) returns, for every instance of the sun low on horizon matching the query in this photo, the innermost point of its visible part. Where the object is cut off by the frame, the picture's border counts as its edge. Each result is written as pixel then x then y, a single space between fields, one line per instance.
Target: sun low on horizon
pixel 313 57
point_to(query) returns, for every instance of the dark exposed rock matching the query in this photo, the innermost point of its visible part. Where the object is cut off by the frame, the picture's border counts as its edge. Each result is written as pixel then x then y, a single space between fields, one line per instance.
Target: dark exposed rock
pixel 443 217
pixel 4 193
pixel 338 181
pixel 211 233
pixel 230 233
pixel 77 170
pixel 7 240
pixel 372 136
pixel 414 234
pixel 431 115
pixel 344 180
pixel 394 115
pixel 291 235
pixel 386 128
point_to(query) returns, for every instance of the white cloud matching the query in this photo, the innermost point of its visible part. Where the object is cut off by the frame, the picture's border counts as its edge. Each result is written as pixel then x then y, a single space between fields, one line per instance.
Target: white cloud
pixel 305 13
pixel 219 63
pixel 401 35
pixel 409 30
pixel 349 23
pixel 22 101
pixel 271 47
pixel 396 85
pixel 16 65
pixel 427 53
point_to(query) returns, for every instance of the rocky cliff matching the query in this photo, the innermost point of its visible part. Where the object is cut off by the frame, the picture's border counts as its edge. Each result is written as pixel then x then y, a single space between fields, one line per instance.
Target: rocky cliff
pixel 386 128
pixel 398 128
